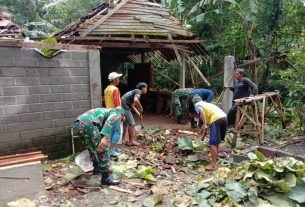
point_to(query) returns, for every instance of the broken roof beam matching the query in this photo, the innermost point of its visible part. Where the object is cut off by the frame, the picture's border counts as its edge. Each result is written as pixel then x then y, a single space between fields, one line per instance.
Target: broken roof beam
pixel 197 69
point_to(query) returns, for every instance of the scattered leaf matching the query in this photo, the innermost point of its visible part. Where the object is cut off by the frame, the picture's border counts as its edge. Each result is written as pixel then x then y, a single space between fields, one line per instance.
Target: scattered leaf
pixel 67 203
pixel 153 200
pixel 298 193
pixel 24 202
pixel 235 190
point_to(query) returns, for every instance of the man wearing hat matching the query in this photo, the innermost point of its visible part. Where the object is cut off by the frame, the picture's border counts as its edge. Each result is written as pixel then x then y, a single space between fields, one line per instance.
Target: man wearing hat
pixel 244 87
pixel 113 100
pixel 96 127
pixel 215 119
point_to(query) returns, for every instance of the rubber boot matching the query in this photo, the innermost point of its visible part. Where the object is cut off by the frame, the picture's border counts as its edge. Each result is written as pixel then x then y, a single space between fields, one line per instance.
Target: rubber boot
pixel 108 180
pixel 180 120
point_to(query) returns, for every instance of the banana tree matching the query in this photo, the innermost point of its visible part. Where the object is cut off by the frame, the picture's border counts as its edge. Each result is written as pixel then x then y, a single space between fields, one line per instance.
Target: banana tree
pixel 246 9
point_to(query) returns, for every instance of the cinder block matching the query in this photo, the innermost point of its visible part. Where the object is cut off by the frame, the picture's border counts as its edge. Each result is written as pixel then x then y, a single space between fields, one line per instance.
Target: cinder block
pixel 80 88
pixel 56 148
pixel 36 72
pixel 42 124
pixel 7 100
pixel 41 107
pixel 31 134
pixel 63 138
pixel 16 127
pixel 84 64
pixel 74 112
pixel 4 147
pixel 59 72
pixel 63 122
pixel 79 56
pixel 63 55
pixel 9 137
pixel 14 90
pixel 27 81
pixel 49 63
pixel 8 119
pixel 52 115
pixel 10 52
pixel 27 99
pixel 79 71
pixel 74 80
pixel 61 89
pixel 39 89
pixel 50 98
pixel 62 105
pixel 7 81
pixel 3 129
pixel 85 96
pixel 52 131
pixel 70 63
pixel 30 54
pixel 50 80
pixel 25 62
pixel 71 96
pixel 15 109
pixel 43 141
pixel 29 117
pixel 11 71
pixel 81 104
pixel 13 146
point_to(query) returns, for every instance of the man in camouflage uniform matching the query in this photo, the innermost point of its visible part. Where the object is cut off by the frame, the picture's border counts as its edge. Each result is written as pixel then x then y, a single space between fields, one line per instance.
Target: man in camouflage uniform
pixel 178 96
pixel 96 127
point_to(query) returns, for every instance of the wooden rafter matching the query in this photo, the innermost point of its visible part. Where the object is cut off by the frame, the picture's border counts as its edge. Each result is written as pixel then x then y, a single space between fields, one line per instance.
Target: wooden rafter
pixel 101 20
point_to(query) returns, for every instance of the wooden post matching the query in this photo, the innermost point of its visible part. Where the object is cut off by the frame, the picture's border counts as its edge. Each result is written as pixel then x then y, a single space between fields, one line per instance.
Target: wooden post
pixel 182 72
pixel 234 141
pixel 263 118
pixel 228 81
pixel 197 70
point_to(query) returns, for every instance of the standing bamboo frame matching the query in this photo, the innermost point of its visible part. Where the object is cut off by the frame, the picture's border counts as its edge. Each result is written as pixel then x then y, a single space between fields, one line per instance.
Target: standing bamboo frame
pixel 248 110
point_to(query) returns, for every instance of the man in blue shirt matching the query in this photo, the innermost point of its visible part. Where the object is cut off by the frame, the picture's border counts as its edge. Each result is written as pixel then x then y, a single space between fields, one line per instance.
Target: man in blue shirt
pixel 205 94
pixel 244 87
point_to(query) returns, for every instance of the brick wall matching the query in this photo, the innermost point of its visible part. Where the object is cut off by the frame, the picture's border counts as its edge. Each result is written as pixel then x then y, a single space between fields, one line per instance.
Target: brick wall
pixel 39 99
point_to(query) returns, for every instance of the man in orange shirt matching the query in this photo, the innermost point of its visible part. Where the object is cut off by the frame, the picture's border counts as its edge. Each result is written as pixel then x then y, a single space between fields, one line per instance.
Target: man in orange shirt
pixel 113 100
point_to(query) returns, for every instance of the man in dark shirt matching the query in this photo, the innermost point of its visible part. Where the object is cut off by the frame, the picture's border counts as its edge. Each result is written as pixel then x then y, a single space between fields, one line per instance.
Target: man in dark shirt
pixel 244 87
pixel 128 100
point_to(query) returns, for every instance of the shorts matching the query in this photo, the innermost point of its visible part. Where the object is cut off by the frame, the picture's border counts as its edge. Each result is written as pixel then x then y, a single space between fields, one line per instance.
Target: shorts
pixel 116 133
pixel 129 118
pixel 218 131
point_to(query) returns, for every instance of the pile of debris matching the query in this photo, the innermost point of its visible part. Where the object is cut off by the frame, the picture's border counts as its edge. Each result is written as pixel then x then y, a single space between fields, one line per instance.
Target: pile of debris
pixel 8 29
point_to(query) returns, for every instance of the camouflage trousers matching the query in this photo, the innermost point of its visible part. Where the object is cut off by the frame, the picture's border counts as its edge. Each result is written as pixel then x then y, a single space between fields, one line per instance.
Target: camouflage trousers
pixel 92 137
pixel 180 95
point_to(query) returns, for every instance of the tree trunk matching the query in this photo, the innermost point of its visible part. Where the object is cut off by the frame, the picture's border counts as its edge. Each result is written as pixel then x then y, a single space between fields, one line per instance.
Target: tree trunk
pixel 252 53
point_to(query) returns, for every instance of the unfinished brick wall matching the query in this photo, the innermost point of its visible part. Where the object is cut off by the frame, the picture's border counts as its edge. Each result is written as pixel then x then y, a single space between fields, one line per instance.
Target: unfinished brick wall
pixel 39 99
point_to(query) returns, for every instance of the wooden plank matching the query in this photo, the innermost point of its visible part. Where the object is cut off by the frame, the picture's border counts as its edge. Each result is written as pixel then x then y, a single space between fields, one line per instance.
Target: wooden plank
pixel 111 12
pixel 143 32
pixel 197 70
pixel 59 46
pixel 22 158
pixel 234 140
pixel 263 118
pixel 39 45
pixel 20 155
pixel 145 6
pixel 249 62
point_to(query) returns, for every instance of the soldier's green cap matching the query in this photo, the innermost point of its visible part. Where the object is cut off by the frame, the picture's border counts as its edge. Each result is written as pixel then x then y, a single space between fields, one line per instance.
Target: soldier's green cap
pixel 196 98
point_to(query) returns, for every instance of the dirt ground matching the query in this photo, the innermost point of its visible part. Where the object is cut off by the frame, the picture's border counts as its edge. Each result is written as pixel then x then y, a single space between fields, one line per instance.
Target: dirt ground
pixel 152 121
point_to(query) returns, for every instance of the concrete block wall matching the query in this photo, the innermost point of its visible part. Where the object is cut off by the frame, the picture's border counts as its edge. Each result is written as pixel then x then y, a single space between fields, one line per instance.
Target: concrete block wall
pixel 39 99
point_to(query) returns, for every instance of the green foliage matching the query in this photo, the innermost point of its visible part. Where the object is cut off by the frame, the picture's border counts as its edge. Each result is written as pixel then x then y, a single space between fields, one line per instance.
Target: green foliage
pixel 186 144
pixel 279 182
